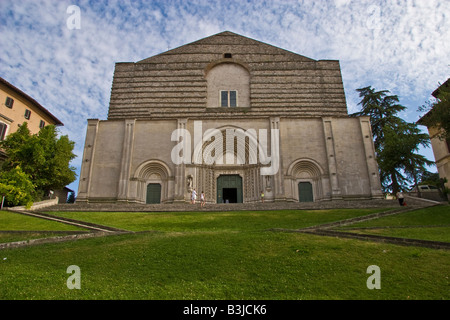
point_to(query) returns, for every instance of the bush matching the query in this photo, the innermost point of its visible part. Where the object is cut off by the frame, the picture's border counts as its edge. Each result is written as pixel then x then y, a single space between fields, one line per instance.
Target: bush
pixel 16 187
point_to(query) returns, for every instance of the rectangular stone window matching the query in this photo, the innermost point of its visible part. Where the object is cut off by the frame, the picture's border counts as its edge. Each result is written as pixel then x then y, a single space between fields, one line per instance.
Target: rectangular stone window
pixel 27 114
pixel 233 98
pixel 3 128
pixel 224 98
pixel 41 124
pixel 9 102
pixel 228 98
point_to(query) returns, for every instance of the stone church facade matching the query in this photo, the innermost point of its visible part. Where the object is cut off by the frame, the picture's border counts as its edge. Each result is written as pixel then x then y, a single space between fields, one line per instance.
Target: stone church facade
pixel 232 117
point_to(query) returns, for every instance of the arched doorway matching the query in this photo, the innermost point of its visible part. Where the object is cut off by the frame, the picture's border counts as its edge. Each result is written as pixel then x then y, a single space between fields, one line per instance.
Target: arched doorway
pixel 152 177
pixel 153 193
pixel 307 180
pixel 229 189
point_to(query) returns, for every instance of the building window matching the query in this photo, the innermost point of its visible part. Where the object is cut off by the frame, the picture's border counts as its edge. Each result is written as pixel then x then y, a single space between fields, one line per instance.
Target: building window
pixel 228 85
pixel 41 124
pixel 228 98
pixel 9 102
pixel 27 114
pixel 3 128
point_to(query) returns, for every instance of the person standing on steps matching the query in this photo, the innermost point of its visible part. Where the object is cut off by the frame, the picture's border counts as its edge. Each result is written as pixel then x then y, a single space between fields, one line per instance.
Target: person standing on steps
pixel 202 199
pixel 193 196
pixel 401 199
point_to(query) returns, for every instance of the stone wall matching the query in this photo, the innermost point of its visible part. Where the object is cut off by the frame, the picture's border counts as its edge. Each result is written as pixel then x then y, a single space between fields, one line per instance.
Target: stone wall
pixel 174 84
pixel 126 155
pixel 278 91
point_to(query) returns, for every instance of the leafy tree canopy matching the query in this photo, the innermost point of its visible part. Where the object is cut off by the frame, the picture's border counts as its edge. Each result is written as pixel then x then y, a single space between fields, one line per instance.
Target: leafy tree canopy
pixel 43 157
pixel 438 112
pixel 16 187
pixel 396 141
pixel 382 109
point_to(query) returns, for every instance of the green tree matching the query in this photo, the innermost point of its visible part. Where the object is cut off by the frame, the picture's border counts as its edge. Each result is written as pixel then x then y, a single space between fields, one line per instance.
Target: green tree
pixel 396 141
pixel 382 109
pixel 399 162
pixel 438 112
pixel 44 157
pixel 16 187
pixel 71 197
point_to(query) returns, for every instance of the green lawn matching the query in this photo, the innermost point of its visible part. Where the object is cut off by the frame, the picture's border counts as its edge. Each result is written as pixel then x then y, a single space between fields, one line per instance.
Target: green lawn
pixel 426 224
pixel 19 222
pixel 228 255
pixel 215 221
pixel 33 228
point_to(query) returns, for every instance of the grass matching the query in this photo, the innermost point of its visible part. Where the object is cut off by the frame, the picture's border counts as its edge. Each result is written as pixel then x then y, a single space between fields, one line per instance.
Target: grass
pixel 26 228
pixel 437 215
pixel 216 221
pixel 425 224
pixel 12 221
pixel 222 255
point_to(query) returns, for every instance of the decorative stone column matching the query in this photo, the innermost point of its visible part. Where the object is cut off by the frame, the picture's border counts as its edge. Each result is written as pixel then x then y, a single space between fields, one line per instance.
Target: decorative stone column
pixel 87 161
pixel 372 165
pixel 331 158
pixel 278 177
pixel 180 169
pixel 125 164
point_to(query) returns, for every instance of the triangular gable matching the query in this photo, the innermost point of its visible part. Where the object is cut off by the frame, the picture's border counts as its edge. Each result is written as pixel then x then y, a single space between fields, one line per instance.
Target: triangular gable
pixel 233 42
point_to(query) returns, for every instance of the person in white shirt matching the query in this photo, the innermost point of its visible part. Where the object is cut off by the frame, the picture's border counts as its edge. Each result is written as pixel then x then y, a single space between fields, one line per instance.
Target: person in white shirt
pixel 202 199
pixel 401 199
pixel 193 196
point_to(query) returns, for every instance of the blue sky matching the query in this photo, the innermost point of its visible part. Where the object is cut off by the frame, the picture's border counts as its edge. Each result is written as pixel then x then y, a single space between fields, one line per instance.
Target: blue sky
pixel 401 46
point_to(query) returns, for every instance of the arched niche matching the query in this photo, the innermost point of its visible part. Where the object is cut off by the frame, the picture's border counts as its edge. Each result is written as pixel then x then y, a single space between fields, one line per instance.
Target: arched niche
pixel 306 171
pixel 227 79
pixel 152 172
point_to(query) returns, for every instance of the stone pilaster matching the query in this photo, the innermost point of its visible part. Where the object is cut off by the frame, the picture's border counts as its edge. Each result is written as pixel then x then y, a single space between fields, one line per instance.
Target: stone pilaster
pixel 372 165
pixel 275 151
pixel 180 169
pixel 87 160
pixel 127 151
pixel 331 158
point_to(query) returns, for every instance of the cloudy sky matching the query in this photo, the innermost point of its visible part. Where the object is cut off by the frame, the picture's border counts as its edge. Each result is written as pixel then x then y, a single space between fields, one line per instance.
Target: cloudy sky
pixel 62 52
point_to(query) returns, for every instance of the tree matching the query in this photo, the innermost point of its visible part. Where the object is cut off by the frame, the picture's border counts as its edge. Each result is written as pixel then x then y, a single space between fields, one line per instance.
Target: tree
pixel 16 187
pixel 399 162
pixel 44 157
pixel 396 141
pixel 382 109
pixel 71 197
pixel 438 112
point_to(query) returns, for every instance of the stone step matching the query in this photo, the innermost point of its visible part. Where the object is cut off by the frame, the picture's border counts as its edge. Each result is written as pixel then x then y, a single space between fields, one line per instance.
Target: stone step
pixel 133 207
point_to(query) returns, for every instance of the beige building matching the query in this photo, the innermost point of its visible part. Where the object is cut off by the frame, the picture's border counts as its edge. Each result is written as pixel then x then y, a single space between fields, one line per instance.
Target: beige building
pixel 16 107
pixel 232 117
pixel 441 148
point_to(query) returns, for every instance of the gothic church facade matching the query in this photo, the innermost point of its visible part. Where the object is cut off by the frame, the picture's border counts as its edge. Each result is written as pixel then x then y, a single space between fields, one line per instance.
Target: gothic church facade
pixel 232 117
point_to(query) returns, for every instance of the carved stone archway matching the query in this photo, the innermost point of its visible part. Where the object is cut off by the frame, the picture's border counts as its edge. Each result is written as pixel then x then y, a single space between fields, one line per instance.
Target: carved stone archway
pixel 152 172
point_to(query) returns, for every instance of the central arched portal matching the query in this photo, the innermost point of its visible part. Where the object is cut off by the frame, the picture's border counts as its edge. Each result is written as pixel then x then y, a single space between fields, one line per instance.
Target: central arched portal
pixel 229 188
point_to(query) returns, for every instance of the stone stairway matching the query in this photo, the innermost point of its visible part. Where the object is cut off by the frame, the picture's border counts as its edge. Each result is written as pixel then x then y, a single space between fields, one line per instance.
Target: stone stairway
pixel 256 206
